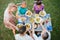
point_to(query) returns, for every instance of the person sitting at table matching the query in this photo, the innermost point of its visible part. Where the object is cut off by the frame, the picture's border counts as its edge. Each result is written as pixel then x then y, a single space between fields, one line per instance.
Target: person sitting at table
pixel 22 34
pixel 38 6
pixel 9 18
pixel 21 11
pixel 45 34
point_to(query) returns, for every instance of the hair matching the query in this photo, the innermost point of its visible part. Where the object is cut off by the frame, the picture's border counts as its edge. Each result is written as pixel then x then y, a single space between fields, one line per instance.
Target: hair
pixel 23 2
pixel 22 29
pixel 43 23
pixel 45 36
pixel 36 24
pixel 37 32
pixel 11 5
pixel 38 2
pixel 18 4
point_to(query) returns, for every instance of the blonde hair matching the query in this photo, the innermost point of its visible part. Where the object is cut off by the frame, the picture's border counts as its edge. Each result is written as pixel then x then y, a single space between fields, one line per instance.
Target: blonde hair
pixel 18 4
pixel 11 5
pixel 23 2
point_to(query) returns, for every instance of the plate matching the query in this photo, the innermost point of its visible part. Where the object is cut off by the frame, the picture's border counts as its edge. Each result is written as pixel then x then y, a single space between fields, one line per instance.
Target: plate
pixel 42 13
pixel 38 19
pixel 28 13
pixel 28 25
pixel 36 15
pixel 19 25
pixel 32 20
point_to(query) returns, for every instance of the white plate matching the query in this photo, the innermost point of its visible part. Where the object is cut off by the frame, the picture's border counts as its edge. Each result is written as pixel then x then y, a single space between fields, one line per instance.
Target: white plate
pixel 30 13
pixel 42 13
pixel 29 25
pixel 40 19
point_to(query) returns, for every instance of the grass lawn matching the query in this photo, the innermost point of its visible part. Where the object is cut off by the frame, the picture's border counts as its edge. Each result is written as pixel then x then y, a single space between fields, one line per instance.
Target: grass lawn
pixel 51 6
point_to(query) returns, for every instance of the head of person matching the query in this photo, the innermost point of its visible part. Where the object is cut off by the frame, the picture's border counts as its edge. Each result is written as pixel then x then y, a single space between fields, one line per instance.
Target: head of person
pixel 22 29
pixel 38 0
pixel 45 36
pixel 38 3
pixel 12 7
pixel 23 4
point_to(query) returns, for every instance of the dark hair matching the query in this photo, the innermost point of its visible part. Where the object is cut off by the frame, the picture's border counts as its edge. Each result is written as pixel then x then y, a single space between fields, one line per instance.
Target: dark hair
pixel 46 36
pixel 22 29
pixel 38 2
pixel 36 24
pixel 43 23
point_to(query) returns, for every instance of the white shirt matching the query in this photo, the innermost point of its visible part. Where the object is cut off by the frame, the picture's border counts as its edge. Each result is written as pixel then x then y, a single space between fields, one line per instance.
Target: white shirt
pixel 6 15
pixel 49 38
pixel 25 37
pixel 37 38
pixel 40 38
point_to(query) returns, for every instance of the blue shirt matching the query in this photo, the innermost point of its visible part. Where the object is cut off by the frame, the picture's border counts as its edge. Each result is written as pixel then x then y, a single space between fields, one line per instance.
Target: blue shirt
pixel 21 11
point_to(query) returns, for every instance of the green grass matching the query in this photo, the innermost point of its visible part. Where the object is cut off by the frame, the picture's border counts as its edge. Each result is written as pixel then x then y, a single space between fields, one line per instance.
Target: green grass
pixel 51 6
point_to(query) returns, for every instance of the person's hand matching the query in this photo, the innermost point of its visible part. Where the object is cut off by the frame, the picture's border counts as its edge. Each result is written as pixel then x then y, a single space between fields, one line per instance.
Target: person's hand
pixel 16 28
pixel 13 30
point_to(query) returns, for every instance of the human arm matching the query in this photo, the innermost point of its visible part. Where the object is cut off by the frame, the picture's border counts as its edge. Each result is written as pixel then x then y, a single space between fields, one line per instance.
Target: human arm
pixel 17 16
pixel 33 35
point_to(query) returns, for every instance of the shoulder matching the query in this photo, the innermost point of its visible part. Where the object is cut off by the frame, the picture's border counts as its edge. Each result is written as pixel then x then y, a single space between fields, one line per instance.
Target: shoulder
pixel 49 38
pixel 29 37
pixel 40 38
pixel 34 5
pixel 17 35
pixel 18 7
pixel 42 5
pixel 6 13
pixel 48 32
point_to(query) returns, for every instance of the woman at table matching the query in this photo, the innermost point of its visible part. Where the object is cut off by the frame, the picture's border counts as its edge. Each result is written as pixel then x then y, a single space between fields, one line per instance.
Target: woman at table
pixel 9 18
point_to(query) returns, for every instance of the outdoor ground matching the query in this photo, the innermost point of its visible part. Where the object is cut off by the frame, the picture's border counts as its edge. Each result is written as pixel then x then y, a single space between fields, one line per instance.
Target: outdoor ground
pixel 51 6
